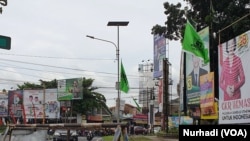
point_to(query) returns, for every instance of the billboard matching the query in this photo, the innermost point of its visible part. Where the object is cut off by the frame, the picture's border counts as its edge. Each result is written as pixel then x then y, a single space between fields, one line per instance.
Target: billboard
pixel 207 104
pixel 194 69
pixel 52 106
pixel 3 105
pixel 210 112
pixel 207 90
pixel 233 66
pixel 69 89
pixel 159 55
pixel 33 103
pixel 160 94
pixel 175 121
pixel 15 103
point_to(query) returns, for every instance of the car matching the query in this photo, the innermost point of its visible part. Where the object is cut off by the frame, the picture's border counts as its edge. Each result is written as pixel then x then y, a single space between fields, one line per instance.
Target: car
pixel 61 135
pixel 140 130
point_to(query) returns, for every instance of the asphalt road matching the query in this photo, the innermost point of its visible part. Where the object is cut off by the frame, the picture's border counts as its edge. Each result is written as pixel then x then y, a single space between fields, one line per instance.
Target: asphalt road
pixel 79 139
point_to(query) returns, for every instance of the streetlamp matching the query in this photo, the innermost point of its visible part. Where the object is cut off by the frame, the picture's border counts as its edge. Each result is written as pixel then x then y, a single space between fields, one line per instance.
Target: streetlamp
pixel 118 24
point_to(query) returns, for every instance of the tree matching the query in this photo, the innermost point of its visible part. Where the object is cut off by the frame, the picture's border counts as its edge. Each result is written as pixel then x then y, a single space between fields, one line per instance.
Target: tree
pixel 215 14
pixel 91 99
pixel 28 85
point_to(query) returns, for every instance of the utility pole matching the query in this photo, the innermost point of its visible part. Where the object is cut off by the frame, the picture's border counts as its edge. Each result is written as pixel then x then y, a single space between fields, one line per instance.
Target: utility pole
pixel 165 93
pixel 44 116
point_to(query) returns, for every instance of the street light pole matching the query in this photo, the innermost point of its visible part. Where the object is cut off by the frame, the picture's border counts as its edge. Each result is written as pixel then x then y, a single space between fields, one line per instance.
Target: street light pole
pixel 118 78
pixel 118 24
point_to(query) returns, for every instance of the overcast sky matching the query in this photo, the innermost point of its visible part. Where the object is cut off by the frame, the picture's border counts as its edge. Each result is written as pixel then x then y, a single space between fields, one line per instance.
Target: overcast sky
pixel 49 42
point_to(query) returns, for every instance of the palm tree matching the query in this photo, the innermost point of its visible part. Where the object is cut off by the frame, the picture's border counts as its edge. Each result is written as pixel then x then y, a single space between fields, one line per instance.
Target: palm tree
pixel 90 100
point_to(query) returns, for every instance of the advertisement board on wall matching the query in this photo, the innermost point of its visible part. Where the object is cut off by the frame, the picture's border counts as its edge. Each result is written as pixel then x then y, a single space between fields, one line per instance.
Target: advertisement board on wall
pixel 69 89
pixel 234 97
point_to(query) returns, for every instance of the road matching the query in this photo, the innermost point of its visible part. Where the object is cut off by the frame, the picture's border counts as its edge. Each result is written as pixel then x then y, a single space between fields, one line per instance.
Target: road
pixel 79 139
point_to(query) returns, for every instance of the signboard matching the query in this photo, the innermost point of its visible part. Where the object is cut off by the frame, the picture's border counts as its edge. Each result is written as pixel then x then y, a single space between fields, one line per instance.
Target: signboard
pixel 15 103
pixel 33 103
pixel 234 76
pixel 5 42
pixel 69 89
pixel 3 105
pixel 195 68
pixel 159 55
pixel 52 106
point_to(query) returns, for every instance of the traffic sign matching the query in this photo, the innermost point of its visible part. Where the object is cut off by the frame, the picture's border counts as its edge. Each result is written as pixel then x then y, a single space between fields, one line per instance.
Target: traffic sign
pixel 5 42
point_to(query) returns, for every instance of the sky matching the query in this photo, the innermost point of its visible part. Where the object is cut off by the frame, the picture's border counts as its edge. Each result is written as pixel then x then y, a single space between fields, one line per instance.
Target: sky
pixel 48 41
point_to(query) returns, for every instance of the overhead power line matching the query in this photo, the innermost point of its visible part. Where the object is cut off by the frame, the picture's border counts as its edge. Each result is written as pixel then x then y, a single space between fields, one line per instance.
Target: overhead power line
pixel 52 57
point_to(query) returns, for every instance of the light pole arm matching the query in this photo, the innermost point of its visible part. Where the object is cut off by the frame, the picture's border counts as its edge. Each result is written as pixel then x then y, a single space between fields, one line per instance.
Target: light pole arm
pixel 118 74
pixel 92 37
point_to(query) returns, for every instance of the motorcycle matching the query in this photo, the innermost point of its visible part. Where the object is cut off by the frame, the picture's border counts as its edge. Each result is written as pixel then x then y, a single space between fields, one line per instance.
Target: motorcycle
pixel 90 136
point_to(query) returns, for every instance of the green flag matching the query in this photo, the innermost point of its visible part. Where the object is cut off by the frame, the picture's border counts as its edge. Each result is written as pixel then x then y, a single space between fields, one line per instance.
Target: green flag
pixel 137 105
pixel 193 44
pixel 124 86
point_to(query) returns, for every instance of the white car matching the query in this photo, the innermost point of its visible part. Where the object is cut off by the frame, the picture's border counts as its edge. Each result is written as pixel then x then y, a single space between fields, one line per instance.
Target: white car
pixel 61 135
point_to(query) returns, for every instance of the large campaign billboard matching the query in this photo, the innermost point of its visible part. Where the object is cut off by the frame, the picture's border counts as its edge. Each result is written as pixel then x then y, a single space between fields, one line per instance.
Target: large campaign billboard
pixel 159 55
pixel 52 106
pixel 3 105
pixel 33 103
pixel 194 69
pixel 15 99
pixel 69 89
pixel 234 97
pixel 207 104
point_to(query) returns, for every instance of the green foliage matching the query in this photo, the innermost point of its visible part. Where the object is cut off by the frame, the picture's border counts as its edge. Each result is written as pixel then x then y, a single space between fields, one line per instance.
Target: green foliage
pixel 215 14
pixel 28 85
pixel 91 99
pixel 2 128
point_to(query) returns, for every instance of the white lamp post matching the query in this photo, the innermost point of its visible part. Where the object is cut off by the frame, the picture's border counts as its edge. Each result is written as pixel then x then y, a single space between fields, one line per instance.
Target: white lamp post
pixel 121 23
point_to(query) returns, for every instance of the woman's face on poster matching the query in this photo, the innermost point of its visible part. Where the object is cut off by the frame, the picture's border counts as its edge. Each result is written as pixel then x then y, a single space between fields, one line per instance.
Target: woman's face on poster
pixel 231 47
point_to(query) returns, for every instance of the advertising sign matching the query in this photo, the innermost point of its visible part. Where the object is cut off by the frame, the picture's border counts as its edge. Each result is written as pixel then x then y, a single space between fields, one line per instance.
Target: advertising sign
pixel 234 97
pixel 194 69
pixel 52 106
pixel 159 55
pixel 33 103
pixel 15 103
pixel 69 89
pixel 207 90
pixel 3 105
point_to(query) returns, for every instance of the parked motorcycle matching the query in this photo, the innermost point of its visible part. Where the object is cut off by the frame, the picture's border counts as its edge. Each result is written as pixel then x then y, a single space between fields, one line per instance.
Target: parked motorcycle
pixel 90 136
